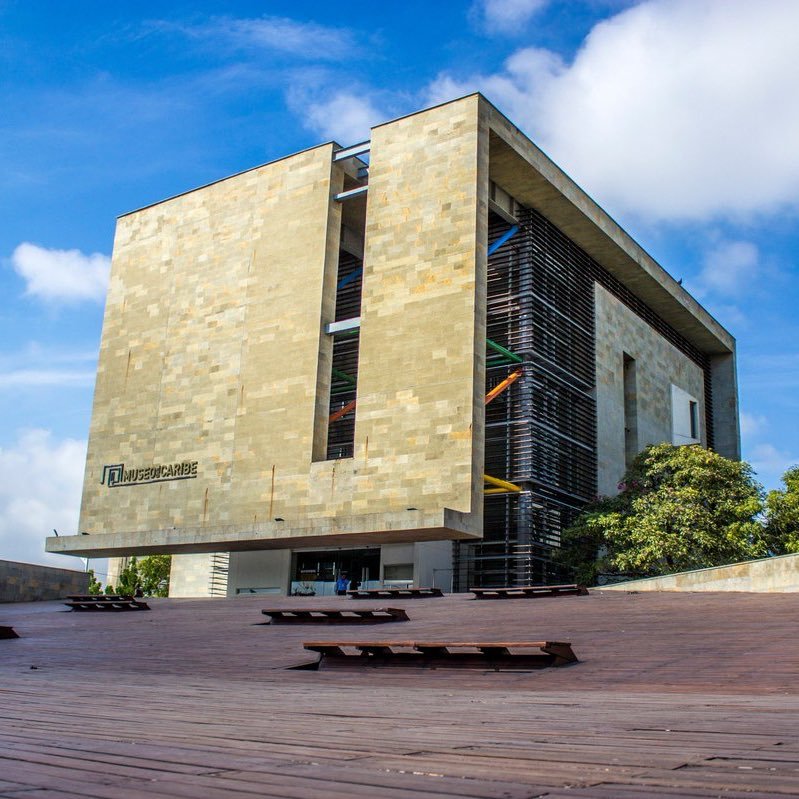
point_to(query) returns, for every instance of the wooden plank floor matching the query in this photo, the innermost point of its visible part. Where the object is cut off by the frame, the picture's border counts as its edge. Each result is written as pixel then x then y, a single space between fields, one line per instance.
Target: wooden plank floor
pixel 689 695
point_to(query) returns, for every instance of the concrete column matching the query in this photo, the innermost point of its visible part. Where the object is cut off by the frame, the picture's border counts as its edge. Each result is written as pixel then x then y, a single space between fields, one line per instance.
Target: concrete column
pixel 726 427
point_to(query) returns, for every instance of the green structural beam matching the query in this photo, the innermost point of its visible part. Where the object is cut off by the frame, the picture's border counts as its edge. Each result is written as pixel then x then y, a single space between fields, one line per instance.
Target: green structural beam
pixel 512 356
pixel 343 376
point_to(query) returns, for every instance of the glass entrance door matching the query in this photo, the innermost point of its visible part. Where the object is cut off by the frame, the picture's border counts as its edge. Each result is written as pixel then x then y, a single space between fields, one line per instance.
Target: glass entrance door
pixel 315 573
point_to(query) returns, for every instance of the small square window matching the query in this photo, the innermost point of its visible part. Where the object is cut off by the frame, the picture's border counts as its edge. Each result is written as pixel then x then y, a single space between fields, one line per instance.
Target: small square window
pixel 685 421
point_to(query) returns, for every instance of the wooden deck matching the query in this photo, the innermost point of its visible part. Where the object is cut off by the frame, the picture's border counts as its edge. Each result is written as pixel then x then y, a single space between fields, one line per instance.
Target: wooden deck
pixel 676 695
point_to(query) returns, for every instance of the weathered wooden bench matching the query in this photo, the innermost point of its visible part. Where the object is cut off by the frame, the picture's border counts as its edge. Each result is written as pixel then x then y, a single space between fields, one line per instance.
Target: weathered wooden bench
pixel 105 602
pixel 496 655
pixel 7 632
pixel 335 615
pixel 527 591
pixel 394 593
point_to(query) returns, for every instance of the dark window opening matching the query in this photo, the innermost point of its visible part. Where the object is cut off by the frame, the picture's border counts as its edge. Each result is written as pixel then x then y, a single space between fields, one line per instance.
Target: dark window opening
pixel 398 571
pixel 344 369
pixel 327 565
pixel 630 410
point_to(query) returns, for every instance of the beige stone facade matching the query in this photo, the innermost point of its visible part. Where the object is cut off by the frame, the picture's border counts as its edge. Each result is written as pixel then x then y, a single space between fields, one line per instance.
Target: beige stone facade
pixel 211 409
pixel 659 365
pixel 212 347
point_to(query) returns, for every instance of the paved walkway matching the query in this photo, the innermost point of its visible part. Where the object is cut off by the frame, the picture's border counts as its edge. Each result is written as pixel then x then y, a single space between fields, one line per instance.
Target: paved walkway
pixel 675 695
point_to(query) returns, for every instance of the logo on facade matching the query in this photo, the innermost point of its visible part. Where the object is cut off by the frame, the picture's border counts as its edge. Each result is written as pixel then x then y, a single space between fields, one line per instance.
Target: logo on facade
pixel 116 474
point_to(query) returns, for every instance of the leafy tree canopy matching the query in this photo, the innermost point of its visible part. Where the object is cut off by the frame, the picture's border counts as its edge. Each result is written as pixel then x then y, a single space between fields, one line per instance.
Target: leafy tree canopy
pixel 782 510
pixel 154 571
pixel 150 574
pixel 679 508
pixel 95 586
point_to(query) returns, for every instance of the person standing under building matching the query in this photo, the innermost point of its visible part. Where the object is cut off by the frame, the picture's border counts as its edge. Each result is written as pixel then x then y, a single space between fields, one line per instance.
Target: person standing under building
pixel 341 584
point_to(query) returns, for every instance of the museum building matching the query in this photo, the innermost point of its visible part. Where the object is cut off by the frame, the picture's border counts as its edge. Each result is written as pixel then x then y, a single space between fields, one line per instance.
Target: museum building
pixel 411 361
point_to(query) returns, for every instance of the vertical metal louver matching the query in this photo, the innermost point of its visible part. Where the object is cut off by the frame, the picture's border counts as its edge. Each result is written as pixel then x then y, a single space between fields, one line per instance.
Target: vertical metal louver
pixel 344 376
pixel 540 432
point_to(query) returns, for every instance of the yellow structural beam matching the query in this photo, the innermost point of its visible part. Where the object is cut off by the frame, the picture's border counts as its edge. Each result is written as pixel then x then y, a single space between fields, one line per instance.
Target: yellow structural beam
pixel 500 486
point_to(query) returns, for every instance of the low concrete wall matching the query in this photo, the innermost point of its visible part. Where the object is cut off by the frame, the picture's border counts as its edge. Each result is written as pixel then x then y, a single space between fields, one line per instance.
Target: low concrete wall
pixel 27 582
pixel 767 575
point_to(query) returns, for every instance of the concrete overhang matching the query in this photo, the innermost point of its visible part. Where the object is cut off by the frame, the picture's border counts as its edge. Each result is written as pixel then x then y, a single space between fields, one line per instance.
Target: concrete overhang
pixel 369 529
pixel 523 170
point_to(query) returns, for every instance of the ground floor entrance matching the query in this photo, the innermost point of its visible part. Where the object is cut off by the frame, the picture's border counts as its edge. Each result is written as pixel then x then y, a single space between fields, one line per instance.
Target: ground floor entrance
pixel 315 573
pixel 312 572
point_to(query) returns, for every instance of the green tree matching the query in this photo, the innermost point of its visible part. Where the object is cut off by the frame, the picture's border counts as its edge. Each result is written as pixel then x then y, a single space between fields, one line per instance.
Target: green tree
pixel 678 508
pixel 782 515
pixel 128 580
pixel 150 574
pixel 95 586
pixel 154 574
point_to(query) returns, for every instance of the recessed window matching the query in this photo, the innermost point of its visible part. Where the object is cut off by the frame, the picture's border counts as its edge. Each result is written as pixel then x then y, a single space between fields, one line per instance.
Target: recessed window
pixel 685 427
pixel 693 410
pixel 344 363
pixel 630 410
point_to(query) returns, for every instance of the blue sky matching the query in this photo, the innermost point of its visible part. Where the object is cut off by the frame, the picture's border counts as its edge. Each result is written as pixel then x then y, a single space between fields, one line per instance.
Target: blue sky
pixel 680 117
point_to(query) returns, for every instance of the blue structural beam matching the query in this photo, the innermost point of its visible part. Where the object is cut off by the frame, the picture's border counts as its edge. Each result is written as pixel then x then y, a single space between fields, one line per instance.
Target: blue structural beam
pixel 350 277
pixel 502 239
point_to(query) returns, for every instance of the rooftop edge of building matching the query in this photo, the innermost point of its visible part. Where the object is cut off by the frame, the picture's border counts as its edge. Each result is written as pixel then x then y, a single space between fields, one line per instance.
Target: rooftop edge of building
pixel 552 192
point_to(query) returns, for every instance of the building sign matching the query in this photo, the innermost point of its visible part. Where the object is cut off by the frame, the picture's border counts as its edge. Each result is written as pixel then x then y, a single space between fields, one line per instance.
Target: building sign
pixel 118 474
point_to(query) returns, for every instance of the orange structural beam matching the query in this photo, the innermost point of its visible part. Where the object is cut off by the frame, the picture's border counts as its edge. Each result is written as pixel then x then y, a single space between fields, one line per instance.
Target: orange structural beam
pixel 334 417
pixel 506 383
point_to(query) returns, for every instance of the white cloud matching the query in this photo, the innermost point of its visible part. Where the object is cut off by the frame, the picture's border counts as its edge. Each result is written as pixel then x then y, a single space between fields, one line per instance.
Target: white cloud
pixel 36 366
pixel 345 117
pixel 731 316
pixel 672 109
pixel 307 40
pixel 770 463
pixel 40 489
pixel 752 424
pixel 730 269
pixel 507 16
pixel 775 373
pixel 65 275
pixel 33 378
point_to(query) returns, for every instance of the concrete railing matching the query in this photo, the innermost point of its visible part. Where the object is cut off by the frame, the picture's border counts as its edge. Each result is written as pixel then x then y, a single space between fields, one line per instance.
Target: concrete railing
pixel 767 575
